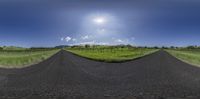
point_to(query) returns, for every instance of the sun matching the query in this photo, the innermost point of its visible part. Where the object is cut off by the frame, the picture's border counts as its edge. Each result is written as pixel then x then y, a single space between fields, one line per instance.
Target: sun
pixel 99 20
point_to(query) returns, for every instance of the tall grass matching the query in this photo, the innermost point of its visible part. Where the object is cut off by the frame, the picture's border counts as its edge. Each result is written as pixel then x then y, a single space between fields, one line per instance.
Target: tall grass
pixel 111 54
pixel 21 58
pixel 191 56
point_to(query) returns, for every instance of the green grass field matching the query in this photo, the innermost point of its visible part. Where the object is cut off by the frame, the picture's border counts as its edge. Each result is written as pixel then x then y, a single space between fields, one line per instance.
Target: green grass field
pixel 108 54
pixel 191 56
pixel 22 58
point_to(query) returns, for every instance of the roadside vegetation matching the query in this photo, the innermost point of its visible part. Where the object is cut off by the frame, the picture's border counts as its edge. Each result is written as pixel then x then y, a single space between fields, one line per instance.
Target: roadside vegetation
pixel 110 53
pixel 190 54
pixel 15 57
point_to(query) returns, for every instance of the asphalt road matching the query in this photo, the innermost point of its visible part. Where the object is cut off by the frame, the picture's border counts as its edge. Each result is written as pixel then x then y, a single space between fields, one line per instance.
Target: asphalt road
pixel 67 76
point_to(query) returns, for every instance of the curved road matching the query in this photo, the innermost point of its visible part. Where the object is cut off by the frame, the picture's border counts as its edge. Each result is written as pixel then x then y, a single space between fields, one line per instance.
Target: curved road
pixel 67 76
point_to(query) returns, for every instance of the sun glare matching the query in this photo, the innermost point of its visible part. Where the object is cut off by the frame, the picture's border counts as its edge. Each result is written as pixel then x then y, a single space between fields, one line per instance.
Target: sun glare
pixel 99 20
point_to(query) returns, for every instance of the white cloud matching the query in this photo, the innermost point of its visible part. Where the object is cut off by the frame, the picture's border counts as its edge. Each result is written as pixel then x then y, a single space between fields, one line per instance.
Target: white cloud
pixel 86 37
pixel 67 39
pixel 62 38
pixel 74 39
pixel 119 41
pixel 92 43
pixel 101 30
pixel 102 43
pixel 91 39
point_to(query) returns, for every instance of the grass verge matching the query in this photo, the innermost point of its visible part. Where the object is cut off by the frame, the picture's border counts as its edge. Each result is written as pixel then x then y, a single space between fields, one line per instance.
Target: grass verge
pixel 191 56
pixel 111 54
pixel 22 58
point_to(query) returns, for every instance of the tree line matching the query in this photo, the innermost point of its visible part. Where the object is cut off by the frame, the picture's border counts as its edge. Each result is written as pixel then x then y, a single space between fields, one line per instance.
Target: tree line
pixel 102 46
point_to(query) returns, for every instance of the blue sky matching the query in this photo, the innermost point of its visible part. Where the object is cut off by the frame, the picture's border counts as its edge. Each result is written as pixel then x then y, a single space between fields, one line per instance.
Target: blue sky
pixel 138 22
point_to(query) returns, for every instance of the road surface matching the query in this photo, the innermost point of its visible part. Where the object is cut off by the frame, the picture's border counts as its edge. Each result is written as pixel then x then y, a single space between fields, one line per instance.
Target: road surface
pixel 67 76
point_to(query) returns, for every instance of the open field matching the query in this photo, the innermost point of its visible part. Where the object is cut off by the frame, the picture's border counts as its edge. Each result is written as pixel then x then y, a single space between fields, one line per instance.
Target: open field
pixel 21 58
pixel 111 54
pixel 191 56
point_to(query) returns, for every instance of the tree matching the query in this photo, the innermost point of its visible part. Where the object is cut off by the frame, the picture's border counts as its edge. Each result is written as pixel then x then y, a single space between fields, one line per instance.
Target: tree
pixel 191 47
pixel 172 47
pixel 129 46
pixel 156 47
pixel 87 45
